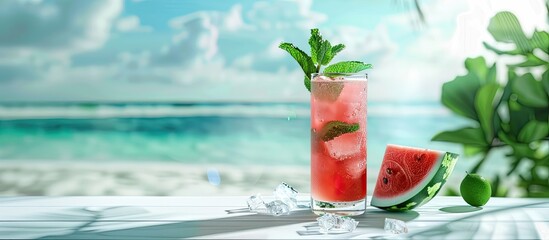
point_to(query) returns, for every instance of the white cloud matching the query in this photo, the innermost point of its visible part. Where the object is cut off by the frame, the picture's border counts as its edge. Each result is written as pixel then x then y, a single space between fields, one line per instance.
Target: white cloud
pixel 273 51
pixel 56 25
pixel 363 44
pixel 234 55
pixel 199 62
pixel 233 20
pixel 280 15
pixel 41 36
pixel 195 42
pixel 131 24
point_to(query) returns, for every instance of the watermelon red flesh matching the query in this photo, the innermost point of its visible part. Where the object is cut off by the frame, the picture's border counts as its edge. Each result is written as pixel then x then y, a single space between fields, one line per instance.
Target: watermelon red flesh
pixel 403 168
pixel 405 183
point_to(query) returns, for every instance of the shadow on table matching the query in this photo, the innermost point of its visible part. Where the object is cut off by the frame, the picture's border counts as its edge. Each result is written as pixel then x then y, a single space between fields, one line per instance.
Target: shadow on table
pixel 187 229
pixel 376 218
pixel 371 219
pixel 510 222
pixel 460 209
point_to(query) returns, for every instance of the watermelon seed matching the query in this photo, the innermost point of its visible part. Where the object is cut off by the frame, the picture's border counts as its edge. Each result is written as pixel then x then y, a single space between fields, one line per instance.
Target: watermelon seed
pixel 385 180
pixel 420 157
pixel 389 171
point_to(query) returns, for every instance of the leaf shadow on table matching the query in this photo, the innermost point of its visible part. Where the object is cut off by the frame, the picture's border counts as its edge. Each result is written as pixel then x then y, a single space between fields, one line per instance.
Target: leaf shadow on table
pixel 187 229
pixel 143 228
pixel 506 222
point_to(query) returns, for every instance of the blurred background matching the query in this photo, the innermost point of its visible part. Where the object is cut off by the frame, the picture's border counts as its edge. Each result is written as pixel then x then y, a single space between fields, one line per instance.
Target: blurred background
pixel 194 97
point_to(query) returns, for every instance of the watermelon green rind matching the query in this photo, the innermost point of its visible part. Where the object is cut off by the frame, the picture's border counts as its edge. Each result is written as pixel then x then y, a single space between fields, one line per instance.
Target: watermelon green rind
pixel 433 185
pixel 441 162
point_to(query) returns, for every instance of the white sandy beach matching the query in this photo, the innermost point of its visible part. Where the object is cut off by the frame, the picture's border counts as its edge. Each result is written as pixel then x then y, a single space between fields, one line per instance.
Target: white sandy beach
pixel 41 178
pixel 158 179
pixel 146 179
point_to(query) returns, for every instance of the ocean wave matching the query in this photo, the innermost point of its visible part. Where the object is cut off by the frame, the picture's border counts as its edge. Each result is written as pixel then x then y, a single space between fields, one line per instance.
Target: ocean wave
pixel 75 112
pixel 407 110
pixel 200 110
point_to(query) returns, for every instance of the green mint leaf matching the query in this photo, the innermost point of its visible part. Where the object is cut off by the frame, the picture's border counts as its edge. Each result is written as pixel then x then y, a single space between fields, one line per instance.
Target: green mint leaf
pixel 337 48
pixel 335 129
pixel 325 204
pixel 325 53
pixel 315 41
pixel 347 67
pixel 332 53
pixel 303 59
pixel 321 50
pixel 307 82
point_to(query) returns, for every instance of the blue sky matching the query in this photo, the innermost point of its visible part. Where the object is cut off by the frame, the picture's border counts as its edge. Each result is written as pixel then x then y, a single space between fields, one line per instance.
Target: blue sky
pixel 206 50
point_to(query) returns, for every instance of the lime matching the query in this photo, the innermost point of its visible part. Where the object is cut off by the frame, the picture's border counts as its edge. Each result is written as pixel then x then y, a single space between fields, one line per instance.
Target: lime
pixel 475 190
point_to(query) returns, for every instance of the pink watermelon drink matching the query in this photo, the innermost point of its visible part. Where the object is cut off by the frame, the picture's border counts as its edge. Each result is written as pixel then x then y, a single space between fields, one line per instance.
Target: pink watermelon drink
pixel 338 143
pixel 338 126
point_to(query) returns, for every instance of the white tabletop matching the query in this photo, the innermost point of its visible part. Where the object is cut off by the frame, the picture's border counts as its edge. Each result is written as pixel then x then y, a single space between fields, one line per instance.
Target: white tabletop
pixel 205 217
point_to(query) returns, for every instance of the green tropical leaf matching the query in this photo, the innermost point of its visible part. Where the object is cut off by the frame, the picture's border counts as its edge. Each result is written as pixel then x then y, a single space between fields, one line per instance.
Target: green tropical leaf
pixel 545 81
pixel 507 90
pixel 458 95
pixel 303 60
pixel 505 27
pixel 501 52
pixel 486 101
pixel 540 40
pixel 491 76
pixel 469 136
pixel 522 150
pixel 470 151
pixel 498 188
pixel 531 61
pixel 519 115
pixel 533 131
pixel 347 67
pixel 477 66
pixel 514 114
pixel 530 92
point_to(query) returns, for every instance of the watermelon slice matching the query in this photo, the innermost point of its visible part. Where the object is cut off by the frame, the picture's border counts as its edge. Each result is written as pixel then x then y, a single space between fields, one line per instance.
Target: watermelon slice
pixel 410 177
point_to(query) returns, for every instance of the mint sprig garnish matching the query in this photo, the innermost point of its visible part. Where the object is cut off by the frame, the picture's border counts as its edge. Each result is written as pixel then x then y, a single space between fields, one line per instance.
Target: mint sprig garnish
pixel 303 59
pixel 335 129
pixel 322 53
pixel 348 66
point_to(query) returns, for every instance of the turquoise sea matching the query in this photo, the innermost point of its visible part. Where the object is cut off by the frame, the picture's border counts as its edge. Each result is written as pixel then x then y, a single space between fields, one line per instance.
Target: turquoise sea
pixel 200 133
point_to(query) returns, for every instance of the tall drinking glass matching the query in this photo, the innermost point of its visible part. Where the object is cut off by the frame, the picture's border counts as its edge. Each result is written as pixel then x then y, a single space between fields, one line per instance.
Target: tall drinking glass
pixel 338 143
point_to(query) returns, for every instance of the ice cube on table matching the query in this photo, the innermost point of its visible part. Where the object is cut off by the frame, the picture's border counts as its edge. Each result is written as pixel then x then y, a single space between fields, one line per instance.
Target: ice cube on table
pixel 256 203
pixel 395 226
pixel 286 194
pixel 331 223
pixel 277 208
